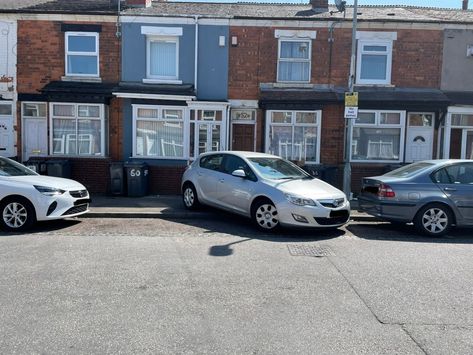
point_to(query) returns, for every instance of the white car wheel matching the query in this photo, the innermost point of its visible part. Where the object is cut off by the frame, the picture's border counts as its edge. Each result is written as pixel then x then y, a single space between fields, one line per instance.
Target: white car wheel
pixel 265 216
pixel 17 214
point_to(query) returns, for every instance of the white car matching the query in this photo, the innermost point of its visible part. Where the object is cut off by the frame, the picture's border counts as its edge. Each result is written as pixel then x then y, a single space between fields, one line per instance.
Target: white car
pixel 268 189
pixel 27 197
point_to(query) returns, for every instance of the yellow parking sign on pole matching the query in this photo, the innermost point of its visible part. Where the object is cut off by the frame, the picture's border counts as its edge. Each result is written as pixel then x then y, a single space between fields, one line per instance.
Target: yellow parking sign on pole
pixel 351 99
pixel 351 105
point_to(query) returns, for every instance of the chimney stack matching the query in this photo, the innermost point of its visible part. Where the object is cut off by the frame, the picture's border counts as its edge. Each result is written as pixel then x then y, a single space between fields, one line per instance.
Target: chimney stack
pixel 138 3
pixel 465 5
pixel 319 6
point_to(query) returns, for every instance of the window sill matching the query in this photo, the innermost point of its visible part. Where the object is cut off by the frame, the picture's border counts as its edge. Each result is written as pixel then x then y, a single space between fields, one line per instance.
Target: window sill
pixel 375 85
pixel 162 81
pixel 295 84
pixel 87 79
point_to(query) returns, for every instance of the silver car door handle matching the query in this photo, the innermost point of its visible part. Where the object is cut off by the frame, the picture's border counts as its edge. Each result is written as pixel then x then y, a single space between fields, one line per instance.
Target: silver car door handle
pixel 222 180
pixel 450 189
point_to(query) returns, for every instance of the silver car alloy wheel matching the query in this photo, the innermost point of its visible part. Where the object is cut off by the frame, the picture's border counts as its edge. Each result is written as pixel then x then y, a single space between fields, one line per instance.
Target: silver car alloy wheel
pixel 189 198
pixel 435 220
pixel 267 216
pixel 15 215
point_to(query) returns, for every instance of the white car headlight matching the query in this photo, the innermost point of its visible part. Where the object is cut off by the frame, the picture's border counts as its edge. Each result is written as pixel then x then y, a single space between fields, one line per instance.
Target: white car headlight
pixel 49 191
pixel 299 201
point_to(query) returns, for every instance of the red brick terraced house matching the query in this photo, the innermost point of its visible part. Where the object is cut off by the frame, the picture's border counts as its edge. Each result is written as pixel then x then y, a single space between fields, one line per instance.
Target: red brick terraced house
pixel 289 69
pixel 68 61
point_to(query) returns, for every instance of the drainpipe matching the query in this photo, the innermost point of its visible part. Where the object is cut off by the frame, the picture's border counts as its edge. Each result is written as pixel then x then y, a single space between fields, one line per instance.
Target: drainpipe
pixel 196 54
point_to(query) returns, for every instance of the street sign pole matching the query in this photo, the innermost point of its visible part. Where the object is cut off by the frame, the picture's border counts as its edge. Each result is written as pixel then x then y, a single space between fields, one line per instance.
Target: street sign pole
pixel 349 122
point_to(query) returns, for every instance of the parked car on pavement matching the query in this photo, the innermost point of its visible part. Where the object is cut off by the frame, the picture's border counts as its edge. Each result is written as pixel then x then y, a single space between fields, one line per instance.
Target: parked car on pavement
pixel 27 197
pixel 435 195
pixel 271 191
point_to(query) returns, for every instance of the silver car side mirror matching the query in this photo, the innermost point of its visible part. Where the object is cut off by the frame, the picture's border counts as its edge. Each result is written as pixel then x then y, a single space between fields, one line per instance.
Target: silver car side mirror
pixel 239 172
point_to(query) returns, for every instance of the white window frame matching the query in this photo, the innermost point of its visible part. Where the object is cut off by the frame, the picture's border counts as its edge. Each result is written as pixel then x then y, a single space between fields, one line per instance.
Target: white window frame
pixel 377 124
pixel 169 121
pixel 292 60
pixel 374 38
pixel 70 137
pixel 92 54
pixel 174 79
pixel 293 124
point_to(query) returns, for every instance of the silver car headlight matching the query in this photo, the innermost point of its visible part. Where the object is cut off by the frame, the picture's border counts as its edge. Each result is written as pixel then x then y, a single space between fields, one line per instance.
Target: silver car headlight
pixel 299 201
pixel 49 191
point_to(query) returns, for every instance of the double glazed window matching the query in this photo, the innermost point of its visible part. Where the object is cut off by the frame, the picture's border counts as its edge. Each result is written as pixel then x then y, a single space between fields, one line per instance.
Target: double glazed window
pixel 378 136
pixel 77 129
pixel 374 57
pixel 82 54
pixel 163 56
pixel 158 131
pixel 294 135
pixel 294 57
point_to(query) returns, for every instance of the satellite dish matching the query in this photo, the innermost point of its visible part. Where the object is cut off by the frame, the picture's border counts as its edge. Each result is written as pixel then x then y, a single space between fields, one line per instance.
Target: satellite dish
pixel 340 4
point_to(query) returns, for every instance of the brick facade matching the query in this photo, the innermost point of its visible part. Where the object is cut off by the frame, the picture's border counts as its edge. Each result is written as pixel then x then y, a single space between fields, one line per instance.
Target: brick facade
pixel 41 57
pixel 416 63
pixel 41 60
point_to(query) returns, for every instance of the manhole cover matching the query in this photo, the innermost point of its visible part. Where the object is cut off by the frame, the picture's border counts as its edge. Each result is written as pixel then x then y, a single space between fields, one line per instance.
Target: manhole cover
pixel 310 250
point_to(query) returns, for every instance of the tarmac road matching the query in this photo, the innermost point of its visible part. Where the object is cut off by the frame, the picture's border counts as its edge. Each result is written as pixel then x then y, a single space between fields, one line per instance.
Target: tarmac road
pixel 217 286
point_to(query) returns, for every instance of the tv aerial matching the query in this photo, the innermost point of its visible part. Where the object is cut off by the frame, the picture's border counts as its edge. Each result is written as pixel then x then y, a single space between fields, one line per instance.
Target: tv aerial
pixel 340 4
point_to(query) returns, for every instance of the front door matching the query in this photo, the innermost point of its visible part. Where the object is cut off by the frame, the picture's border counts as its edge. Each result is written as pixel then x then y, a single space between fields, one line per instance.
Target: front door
pixel 35 142
pixel 208 137
pixel 243 137
pixel 7 133
pixel 467 144
pixel 419 138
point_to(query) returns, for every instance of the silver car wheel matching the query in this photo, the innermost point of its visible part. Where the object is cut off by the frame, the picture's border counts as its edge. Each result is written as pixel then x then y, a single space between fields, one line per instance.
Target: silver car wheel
pixel 435 220
pixel 189 197
pixel 15 215
pixel 266 216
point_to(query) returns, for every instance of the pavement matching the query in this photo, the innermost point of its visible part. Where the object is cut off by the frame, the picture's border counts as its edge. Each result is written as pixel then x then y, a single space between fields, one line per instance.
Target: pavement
pixel 165 206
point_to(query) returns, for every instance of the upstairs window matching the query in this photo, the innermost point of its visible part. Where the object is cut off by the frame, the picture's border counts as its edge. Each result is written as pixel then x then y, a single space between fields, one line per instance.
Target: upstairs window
pixel 82 54
pixel 162 54
pixel 374 58
pixel 294 58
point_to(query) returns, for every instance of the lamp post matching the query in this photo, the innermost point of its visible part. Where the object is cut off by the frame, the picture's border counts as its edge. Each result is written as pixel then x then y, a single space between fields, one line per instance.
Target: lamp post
pixel 349 123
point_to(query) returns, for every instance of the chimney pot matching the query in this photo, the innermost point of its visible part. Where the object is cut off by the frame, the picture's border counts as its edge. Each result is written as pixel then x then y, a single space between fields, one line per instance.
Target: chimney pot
pixel 319 6
pixel 465 5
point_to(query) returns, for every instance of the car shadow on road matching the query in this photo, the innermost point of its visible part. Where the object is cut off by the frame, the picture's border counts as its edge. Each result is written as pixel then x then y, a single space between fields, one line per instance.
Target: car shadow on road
pixel 406 233
pixel 44 227
pixel 232 225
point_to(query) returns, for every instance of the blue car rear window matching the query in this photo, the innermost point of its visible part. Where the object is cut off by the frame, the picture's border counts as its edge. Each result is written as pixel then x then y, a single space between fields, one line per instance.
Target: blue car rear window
pixel 409 170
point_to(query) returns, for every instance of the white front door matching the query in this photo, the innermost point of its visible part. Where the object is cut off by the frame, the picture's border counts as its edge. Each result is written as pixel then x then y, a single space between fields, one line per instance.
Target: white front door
pixel 35 137
pixel 419 137
pixel 208 137
pixel 7 135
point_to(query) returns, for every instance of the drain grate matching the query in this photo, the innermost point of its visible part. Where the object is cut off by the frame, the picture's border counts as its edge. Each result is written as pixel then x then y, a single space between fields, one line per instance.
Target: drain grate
pixel 310 250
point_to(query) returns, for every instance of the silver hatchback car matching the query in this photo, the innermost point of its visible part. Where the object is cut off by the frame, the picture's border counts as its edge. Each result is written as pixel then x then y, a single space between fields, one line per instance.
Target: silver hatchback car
pixel 433 194
pixel 268 189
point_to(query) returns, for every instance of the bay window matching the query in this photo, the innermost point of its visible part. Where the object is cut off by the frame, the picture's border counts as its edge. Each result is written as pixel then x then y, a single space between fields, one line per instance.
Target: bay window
pixel 77 129
pixel 158 131
pixel 294 135
pixel 378 136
